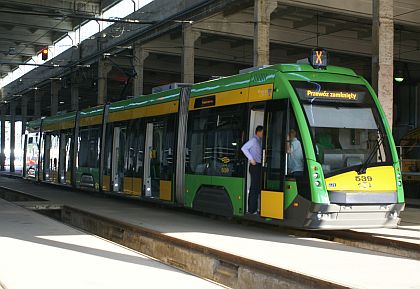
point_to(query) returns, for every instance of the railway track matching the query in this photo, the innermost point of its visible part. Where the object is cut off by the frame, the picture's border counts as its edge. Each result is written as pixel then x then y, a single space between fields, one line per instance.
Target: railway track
pixel 224 268
pixel 227 269
pixel 368 241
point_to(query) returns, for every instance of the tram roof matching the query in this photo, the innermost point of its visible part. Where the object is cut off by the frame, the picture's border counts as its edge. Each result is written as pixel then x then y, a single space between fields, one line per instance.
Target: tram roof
pixel 145 100
pixel 256 77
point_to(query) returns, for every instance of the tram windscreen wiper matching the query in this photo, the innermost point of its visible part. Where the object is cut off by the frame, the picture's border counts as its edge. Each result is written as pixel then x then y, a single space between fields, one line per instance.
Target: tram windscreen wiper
pixel 363 167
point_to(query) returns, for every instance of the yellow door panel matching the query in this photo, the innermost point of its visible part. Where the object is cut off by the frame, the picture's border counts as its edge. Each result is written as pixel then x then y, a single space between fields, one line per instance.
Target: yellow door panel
pixel 68 177
pixel 272 204
pixel 105 183
pixel 54 176
pixel 376 179
pixel 166 190
pixel 137 184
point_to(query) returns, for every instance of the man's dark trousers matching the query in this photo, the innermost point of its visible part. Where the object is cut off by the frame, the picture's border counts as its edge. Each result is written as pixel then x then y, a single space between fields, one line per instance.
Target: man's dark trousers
pixel 255 188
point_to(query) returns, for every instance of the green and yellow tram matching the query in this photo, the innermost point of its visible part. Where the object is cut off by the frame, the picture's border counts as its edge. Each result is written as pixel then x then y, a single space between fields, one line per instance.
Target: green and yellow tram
pixel 182 147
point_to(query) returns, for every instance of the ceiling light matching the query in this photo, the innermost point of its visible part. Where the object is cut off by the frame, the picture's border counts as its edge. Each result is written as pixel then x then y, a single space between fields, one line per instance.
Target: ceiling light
pixel 399 76
pixel 399 73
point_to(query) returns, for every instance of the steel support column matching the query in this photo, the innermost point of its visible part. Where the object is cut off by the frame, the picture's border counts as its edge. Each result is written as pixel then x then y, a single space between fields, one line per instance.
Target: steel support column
pixel 189 37
pixel 24 112
pixel 262 12
pixel 383 54
pixel 139 56
pixel 103 69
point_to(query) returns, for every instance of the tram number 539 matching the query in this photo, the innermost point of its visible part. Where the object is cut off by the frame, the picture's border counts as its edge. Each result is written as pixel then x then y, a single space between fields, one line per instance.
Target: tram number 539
pixel 363 178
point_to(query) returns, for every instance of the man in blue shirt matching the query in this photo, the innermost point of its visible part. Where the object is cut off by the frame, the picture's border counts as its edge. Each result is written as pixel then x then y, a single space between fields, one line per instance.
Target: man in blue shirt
pixel 252 150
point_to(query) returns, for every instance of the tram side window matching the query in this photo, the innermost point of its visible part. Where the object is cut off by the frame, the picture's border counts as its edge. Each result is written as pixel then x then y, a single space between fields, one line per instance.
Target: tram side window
pixel 214 140
pixel 163 148
pixel 89 147
pixel 294 150
pixel 296 167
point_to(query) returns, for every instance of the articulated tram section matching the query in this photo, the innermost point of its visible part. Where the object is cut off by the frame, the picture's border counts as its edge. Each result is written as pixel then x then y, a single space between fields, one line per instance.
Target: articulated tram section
pixel 209 144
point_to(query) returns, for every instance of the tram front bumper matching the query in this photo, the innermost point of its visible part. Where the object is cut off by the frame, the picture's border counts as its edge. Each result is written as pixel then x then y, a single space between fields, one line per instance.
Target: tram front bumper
pixel 337 216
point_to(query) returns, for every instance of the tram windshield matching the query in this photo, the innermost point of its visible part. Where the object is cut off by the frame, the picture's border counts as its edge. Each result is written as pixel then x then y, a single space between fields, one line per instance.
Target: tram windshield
pixel 346 128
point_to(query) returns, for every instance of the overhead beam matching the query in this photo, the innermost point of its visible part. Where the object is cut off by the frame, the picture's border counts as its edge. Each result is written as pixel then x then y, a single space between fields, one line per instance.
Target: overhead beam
pixel 5 68
pixel 25 31
pixel 210 38
pixel 282 35
pixel 340 27
pixel 39 22
pixel 107 3
pixel 364 34
pixel 240 43
pixel 304 22
pixel 283 11
pixel 80 6
pixel 175 35
pixel 241 5
pixel 31 39
pixel 13 61
pixel 21 50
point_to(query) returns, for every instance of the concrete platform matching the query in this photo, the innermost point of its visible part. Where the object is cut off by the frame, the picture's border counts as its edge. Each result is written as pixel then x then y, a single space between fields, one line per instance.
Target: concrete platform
pixel 40 253
pixel 337 263
pixel 408 230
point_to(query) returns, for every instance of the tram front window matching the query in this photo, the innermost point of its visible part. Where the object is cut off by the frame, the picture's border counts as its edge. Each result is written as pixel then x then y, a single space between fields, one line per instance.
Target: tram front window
pixel 346 129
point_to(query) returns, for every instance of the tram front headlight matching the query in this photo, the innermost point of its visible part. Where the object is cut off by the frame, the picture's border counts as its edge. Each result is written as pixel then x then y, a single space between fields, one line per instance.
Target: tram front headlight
pixel 398 176
pixel 316 175
pixel 317 183
pixel 399 183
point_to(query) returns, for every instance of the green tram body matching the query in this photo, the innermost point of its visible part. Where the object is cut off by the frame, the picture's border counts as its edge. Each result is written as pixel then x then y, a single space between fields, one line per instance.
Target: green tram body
pixel 182 147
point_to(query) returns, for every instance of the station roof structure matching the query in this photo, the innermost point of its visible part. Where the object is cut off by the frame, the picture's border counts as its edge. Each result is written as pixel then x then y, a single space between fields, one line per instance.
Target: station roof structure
pixel 224 31
pixel 28 26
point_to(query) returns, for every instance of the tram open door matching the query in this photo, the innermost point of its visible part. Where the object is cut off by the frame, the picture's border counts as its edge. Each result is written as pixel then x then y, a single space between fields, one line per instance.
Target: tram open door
pixel 65 160
pixel 153 158
pixel 159 158
pixel 118 159
pixel 271 204
pixel 256 119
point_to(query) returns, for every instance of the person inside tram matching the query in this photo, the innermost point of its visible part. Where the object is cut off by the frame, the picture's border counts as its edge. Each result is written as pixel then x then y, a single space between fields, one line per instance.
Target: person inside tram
pixel 253 151
pixel 295 164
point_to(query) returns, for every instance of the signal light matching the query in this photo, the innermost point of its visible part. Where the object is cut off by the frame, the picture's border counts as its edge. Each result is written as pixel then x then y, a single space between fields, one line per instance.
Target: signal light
pixel 44 53
pixel 318 58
